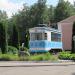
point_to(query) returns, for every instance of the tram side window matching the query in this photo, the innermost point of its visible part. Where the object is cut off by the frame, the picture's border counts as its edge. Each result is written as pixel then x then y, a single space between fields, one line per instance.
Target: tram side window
pixel 55 36
pixel 32 36
pixel 45 36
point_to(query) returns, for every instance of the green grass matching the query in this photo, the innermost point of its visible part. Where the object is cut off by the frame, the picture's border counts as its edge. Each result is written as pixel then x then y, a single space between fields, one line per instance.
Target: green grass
pixel 36 57
pixel 8 57
pixel 40 57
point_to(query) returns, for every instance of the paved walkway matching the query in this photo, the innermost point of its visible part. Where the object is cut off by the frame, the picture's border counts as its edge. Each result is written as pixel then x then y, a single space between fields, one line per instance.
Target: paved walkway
pixel 28 64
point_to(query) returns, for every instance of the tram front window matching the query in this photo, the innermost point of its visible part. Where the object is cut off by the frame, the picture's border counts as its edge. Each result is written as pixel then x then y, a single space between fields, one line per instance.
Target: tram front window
pixel 38 36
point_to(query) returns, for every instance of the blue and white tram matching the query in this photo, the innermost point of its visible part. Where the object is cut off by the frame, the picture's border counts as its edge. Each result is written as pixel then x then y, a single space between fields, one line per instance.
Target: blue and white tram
pixel 44 39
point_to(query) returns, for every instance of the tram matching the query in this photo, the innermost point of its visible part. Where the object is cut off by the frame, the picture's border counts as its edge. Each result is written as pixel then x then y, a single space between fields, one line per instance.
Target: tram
pixel 44 39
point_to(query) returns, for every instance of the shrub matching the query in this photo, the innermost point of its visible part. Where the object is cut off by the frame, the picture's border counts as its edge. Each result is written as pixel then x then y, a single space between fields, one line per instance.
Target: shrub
pixel 72 57
pixel 24 51
pixel 8 57
pixel 12 50
pixel 66 56
pixel 23 48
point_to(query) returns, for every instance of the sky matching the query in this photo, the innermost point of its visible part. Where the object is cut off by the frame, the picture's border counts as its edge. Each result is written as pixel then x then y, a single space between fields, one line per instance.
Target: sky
pixel 12 6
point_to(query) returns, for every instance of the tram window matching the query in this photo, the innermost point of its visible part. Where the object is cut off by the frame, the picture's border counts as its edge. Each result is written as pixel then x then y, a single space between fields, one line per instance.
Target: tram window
pixel 36 36
pixel 32 36
pixel 39 36
pixel 55 37
pixel 45 36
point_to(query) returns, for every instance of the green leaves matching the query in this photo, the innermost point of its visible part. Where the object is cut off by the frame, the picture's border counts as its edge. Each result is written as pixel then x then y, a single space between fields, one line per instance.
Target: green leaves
pixel 63 10
pixel 3 38
pixel 15 37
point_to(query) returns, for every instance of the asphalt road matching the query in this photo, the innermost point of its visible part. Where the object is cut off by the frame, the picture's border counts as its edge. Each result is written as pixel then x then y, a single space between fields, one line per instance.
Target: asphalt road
pixel 38 70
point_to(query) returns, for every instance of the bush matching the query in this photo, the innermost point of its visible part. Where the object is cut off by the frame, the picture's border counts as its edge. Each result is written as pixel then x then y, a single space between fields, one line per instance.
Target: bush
pixel 12 50
pixel 72 57
pixel 23 51
pixel 66 56
pixel 23 48
pixel 8 57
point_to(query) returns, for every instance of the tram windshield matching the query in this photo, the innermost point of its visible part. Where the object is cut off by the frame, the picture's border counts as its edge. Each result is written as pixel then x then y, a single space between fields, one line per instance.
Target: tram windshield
pixel 38 36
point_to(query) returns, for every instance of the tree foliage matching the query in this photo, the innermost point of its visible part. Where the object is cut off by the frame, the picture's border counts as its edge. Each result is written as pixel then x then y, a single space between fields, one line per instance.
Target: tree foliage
pixel 51 13
pixel 63 10
pixel 3 38
pixel 15 37
pixel 27 39
pixel 3 16
pixel 29 17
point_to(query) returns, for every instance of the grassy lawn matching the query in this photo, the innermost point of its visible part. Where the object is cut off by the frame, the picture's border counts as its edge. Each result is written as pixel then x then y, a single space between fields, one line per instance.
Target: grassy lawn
pixel 35 57
pixel 38 57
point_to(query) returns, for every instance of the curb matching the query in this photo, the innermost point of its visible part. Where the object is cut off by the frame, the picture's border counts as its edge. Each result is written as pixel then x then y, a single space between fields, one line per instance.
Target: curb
pixel 34 64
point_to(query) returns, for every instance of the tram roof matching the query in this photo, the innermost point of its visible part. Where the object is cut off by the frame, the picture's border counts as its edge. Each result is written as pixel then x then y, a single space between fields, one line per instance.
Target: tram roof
pixel 45 29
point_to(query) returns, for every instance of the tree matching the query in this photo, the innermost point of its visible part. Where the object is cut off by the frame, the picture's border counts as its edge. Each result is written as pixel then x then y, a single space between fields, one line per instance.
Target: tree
pixel 73 42
pixel 3 16
pixel 29 17
pixel 63 10
pixel 41 5
pixel 45 15
pixel 51 14
pixel 3 38
pixel 15 37
pixel 37 12
pixel 27 39
pixel 22 21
